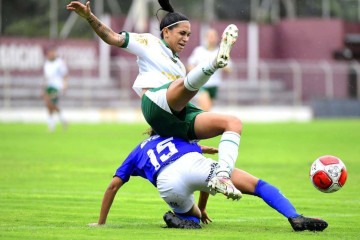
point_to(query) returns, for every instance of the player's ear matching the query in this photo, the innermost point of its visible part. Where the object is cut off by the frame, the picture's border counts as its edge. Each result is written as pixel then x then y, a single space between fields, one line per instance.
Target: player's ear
pixel 166 32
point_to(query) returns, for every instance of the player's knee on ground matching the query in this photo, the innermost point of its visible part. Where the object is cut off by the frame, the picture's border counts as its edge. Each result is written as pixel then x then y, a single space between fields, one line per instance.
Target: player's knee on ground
pixel 194 211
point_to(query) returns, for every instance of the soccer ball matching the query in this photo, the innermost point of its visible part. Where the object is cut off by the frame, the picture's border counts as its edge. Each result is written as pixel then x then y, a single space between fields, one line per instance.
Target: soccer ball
pixel 328 174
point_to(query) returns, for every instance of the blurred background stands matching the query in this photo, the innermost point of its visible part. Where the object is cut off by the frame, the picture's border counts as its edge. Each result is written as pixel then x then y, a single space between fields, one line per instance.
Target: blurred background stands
pixel 289 53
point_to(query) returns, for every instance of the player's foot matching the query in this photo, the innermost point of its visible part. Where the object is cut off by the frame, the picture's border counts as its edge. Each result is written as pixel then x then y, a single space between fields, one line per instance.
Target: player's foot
pixel 302 223
pixel 225 186
pixel 173 221
pixel 228 39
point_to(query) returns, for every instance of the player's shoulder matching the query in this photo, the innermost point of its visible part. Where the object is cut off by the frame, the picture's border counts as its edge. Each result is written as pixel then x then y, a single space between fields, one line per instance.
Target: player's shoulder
pixel 199 49
pixel 157 139
pixel 144 38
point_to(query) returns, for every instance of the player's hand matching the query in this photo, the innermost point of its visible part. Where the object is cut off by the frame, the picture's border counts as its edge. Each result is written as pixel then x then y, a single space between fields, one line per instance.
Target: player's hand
pixel 205 218
pixel 208 150
pixel 81 9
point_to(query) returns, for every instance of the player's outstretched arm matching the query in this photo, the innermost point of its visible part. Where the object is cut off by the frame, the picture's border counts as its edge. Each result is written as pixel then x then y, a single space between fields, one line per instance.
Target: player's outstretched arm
pixel 103 31
pixel 107 201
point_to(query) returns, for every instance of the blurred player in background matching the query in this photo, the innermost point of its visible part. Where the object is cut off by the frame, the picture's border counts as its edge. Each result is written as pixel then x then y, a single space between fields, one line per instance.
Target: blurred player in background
pixel 208 93
pixel 166 90
pixel 177 168
pixel 55 76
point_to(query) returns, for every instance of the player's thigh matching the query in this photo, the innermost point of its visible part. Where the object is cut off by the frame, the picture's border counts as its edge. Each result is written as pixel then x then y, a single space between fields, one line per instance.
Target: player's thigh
pixel 178 181
pixel 178 96
pixel 174 191
pixel 209 124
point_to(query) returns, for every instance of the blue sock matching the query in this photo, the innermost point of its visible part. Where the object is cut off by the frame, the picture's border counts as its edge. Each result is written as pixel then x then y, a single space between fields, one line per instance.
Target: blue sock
pixel 188 217
pixel 275 199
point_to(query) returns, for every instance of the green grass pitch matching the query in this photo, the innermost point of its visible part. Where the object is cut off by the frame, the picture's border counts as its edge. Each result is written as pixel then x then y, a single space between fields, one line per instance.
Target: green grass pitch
pixel 51 185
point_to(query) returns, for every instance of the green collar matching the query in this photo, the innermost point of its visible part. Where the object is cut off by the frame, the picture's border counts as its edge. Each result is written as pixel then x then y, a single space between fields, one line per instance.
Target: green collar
pixel 175 55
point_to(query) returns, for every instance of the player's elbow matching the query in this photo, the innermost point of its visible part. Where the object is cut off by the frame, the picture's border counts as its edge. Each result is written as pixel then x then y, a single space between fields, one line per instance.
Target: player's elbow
pixel 115 185
pixel 112 188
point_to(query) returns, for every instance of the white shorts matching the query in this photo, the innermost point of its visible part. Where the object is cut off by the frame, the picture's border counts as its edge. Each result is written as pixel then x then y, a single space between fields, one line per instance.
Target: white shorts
pixel 178 181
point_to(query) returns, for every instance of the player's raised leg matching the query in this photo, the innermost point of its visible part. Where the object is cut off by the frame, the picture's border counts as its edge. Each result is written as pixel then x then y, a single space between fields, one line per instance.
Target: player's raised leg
pixel 230 140
pixel 201 74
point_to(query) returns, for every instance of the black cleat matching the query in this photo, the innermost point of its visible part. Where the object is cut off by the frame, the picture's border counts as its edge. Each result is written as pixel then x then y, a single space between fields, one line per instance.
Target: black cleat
pixel 302 223
pixel 173 221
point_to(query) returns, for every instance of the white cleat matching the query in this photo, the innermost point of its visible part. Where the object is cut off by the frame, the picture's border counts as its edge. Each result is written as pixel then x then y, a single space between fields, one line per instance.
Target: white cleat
pixel 228 39
pixel 225 186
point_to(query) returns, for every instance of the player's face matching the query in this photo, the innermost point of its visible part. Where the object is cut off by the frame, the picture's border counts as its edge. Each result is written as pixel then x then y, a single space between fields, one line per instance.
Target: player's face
pixel 212 38
pixel 51 54
pixel 178 36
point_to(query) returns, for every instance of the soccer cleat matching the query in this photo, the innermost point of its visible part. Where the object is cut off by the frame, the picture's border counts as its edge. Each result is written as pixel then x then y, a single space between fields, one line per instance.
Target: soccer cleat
pixel 302 223
pixel 173 221
pixel 225 186
pixel 228 39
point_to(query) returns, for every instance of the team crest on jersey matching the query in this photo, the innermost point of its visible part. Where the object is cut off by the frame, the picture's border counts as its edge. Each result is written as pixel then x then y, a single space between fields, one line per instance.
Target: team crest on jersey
pixel 142 39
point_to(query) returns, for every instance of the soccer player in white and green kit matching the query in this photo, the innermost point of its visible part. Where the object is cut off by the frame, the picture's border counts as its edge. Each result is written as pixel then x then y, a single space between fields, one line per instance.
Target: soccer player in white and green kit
pixel 166 90
pixel 55 82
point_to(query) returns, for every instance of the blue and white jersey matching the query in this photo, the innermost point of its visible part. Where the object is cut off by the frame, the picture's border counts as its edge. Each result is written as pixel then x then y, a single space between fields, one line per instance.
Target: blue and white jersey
pixel 149 157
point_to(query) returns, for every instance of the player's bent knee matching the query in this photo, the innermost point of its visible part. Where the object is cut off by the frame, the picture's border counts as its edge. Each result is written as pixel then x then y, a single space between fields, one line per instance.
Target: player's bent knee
pixel 234 124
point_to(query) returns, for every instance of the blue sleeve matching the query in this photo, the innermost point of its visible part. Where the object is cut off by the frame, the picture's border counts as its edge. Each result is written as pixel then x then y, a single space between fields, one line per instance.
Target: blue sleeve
pixel 127 168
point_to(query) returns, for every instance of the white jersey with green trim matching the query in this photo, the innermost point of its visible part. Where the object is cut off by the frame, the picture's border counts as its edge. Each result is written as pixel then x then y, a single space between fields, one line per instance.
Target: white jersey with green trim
pixel 54 73
pixel 157 64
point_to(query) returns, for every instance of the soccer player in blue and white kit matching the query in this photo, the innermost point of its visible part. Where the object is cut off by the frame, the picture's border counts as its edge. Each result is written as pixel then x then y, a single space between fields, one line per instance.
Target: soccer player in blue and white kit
pixel 177 168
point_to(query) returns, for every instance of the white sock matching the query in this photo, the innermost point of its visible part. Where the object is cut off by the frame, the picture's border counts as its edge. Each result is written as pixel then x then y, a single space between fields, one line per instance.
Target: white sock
pixel 61 118
pixel 51 122
pixel 198 76
pixel 228 153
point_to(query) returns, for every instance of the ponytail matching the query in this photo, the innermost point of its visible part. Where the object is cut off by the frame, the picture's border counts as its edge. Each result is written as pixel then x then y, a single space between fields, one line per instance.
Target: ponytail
pixel 172 18
pixel 166 6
